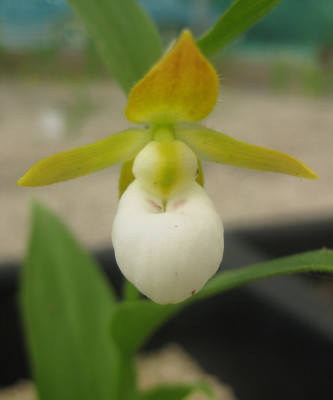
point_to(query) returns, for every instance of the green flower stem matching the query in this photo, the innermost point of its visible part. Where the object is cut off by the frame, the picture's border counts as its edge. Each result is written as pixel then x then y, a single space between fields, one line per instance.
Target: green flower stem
pixel 130 292
pixel 126 379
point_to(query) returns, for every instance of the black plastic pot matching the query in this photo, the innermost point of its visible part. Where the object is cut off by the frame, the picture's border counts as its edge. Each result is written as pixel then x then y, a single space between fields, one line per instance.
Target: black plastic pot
pixel 271 339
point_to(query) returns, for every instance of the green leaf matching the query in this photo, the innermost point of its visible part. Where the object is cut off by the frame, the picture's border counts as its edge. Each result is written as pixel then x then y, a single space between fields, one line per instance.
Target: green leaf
pixel 176 392
pixel 66 305
pixel 239 17
pixel 125 36
pixel 314 261
pixel 133 322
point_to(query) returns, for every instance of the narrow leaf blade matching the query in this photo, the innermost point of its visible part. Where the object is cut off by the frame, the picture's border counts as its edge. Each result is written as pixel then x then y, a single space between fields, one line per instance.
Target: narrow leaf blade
pixel 66 307
pixel 134 322
pixel 124 34
pixel 239 17
pixel 314 261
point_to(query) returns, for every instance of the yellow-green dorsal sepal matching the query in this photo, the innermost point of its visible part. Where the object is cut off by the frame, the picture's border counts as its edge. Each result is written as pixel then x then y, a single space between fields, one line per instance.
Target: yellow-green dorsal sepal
pixel 214 146
pixel 182 86
pixel 85 160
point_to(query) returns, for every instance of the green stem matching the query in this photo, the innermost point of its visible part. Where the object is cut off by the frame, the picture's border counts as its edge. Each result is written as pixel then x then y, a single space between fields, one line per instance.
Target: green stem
pixel 127 382
pixel 130 292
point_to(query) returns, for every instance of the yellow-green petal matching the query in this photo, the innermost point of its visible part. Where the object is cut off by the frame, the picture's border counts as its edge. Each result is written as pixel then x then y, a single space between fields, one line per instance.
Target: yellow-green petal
pixel 214 146
pixel 200 177
pixel 126 176
pixel 182 86
pixel 87 159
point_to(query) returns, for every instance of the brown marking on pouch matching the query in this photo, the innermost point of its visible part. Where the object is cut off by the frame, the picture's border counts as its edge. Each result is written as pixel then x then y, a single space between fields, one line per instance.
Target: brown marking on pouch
pixel 155 205
pixel 179 203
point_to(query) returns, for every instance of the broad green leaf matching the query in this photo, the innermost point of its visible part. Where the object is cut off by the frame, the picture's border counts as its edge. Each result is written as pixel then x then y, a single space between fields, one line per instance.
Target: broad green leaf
pixel 87 159
pixel 125 36
pixel 314 261
pixel 66 305
pixel 239 17
pixel 177 392
pixel 214 146
pixel 134 322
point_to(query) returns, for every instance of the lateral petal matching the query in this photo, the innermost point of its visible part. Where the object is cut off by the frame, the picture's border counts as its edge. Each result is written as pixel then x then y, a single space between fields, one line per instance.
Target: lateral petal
pixel 87 159
pixel 126 176
pixel 217 147
pixel 182 86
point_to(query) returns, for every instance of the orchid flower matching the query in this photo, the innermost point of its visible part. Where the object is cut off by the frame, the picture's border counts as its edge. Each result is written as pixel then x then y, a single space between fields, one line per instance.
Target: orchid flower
pixel 167 234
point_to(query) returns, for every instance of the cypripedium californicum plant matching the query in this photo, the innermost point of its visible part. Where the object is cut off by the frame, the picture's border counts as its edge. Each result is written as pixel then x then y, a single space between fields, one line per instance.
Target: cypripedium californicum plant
pixel 167 235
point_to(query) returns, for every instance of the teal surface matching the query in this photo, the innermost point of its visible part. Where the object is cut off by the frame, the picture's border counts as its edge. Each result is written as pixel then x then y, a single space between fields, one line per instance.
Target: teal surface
pixel 293 22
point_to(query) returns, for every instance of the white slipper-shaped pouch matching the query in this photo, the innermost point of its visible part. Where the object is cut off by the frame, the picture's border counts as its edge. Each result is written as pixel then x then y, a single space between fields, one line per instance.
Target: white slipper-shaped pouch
pixel 167 251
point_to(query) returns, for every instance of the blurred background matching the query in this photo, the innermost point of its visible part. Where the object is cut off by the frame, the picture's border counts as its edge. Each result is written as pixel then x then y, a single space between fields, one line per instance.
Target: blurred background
pixel 276 91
